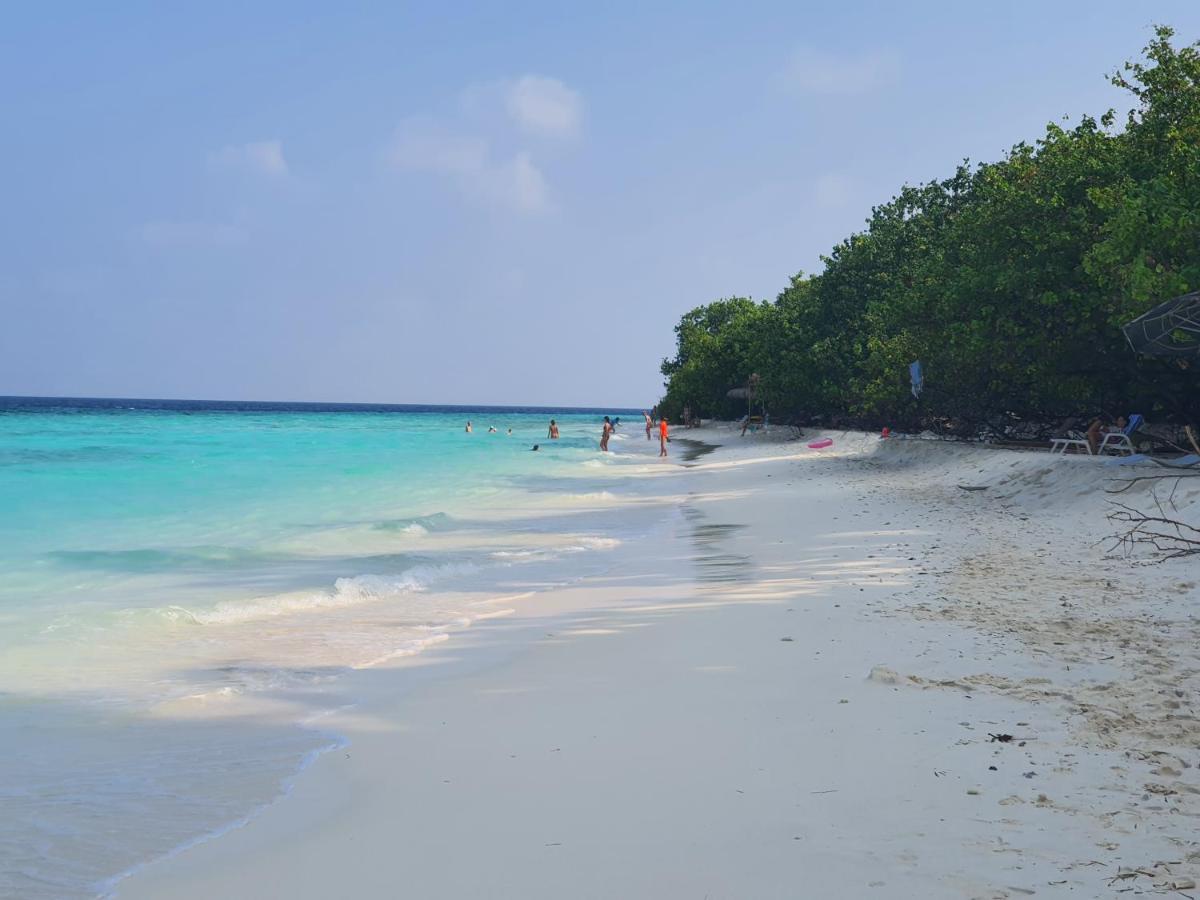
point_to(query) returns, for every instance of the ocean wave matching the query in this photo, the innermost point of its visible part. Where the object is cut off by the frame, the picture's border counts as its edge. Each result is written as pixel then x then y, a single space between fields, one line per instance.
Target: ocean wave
pixel 590 496
pixel 348 591
pixel 582 544
pixel 519 554
pixel 360 589
pixel 599 543
pixel 412 648
pixel 438 521
pixel 411 578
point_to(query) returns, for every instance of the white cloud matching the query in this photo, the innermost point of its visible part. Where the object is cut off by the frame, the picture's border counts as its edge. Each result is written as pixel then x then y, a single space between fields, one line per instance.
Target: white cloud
pixel 515 182
pixel 520 183
pixel 428 148
pixel 817 72
pixel 544 106
pixel 262 157
pixel 536 105
pixel 177 234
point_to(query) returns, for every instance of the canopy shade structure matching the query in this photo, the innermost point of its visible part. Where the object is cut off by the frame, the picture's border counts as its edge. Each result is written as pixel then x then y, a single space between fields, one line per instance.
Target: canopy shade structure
pixel 1170 329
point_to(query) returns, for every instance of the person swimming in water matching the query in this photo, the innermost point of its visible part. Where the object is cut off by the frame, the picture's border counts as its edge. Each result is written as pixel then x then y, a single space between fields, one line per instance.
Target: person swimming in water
pixel 468 426
pixel 604 435
pixel 491 429
pixel 553 432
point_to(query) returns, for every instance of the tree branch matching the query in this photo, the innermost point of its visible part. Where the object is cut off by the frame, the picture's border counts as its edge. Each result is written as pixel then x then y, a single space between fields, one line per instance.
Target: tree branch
pixel 1169 537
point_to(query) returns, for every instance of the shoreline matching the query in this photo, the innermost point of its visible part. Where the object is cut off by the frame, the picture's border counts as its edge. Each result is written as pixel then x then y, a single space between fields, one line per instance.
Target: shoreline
pixel 776 696
pixel 164 653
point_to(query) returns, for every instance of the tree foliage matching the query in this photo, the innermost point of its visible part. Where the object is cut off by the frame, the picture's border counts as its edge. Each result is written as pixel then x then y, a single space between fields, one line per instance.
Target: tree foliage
pixel 1008 280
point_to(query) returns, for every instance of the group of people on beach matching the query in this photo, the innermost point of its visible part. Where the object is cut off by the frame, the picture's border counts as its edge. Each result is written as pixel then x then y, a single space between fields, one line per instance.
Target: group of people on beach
pixel 609 427
pixel 664 435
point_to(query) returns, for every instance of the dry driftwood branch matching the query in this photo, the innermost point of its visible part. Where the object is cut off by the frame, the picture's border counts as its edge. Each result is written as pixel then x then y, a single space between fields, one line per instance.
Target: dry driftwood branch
pixel 1127 483
pixel 1169 537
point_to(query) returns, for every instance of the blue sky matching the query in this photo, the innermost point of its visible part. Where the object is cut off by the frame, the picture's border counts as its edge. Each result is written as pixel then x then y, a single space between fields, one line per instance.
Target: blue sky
pixel 494 203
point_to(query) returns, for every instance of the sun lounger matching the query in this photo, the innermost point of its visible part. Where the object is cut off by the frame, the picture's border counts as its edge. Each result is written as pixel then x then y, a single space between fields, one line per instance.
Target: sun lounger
pixel 1122 441
pixel 1061 445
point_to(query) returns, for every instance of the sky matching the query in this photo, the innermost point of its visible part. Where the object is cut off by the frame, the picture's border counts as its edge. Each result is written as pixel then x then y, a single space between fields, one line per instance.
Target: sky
pixel 493 203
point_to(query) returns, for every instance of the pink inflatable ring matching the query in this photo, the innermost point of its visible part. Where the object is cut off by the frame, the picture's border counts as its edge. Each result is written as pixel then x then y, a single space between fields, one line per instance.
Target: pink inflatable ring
pixel 821 444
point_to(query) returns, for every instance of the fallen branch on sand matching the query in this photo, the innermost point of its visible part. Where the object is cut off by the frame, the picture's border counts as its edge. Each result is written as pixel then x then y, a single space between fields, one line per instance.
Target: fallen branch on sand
pixel 1170 537
pixel 1127 483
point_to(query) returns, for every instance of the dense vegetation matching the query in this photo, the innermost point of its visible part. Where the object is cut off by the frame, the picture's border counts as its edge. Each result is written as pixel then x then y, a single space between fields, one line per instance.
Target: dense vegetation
pixel 1008 280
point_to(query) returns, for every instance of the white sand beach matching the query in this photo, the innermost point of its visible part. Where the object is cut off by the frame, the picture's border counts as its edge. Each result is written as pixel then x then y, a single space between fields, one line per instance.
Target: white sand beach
pixel 790 692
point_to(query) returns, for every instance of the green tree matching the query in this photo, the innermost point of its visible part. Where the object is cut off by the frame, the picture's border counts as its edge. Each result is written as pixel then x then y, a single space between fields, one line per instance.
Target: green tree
pixel 1009 280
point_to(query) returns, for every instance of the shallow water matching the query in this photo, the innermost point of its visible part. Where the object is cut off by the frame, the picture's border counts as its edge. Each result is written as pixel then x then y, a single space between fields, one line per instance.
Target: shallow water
pixel 185 584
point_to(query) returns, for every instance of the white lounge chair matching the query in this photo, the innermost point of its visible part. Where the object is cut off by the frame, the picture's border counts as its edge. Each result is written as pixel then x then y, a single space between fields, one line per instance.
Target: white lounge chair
pixel 1074 439
pixel 1122 441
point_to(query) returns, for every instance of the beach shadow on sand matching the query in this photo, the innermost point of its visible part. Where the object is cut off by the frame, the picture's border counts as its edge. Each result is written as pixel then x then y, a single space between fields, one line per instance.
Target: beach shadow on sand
pixel 714 564
pixel 693 449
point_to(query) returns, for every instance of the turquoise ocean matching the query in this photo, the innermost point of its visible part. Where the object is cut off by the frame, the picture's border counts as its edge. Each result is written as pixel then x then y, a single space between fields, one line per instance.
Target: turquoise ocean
pixel 186 586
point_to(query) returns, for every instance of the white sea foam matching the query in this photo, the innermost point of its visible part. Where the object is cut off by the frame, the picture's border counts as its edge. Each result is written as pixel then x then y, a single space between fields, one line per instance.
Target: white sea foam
pixel 412 648
pixel 350 591
pixel 590 496
pixel 599 543
pixel 581 544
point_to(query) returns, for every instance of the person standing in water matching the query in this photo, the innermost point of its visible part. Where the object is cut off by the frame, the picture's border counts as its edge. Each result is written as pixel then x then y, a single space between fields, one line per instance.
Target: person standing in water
pixel 649 423
pixel 605 434
pixel 664 435
pixel 468 426
pixel 553 432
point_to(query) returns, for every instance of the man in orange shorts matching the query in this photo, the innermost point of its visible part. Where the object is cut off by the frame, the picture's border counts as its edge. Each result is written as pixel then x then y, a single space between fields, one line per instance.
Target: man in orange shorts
pixel 664 435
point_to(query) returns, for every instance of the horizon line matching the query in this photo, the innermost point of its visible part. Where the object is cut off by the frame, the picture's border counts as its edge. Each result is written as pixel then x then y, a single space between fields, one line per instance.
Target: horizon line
pixel 110 399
